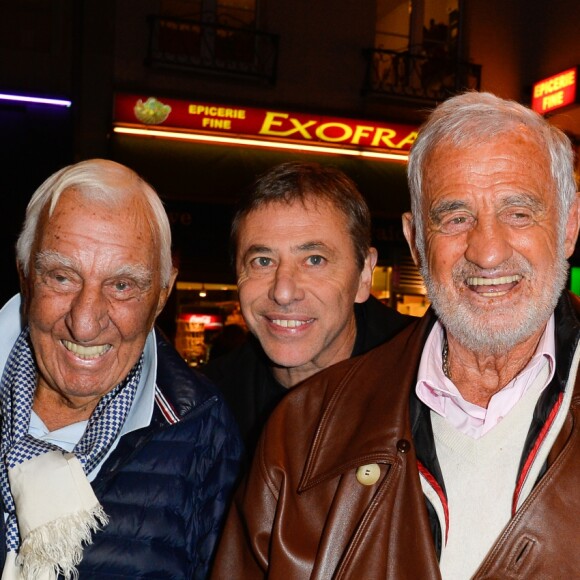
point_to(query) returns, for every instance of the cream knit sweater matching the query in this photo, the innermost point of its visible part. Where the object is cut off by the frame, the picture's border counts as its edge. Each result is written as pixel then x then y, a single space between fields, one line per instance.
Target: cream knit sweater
pixel 480 478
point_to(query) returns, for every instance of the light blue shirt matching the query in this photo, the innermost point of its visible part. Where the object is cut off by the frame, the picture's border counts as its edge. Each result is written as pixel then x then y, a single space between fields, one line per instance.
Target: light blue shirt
pixel 67 437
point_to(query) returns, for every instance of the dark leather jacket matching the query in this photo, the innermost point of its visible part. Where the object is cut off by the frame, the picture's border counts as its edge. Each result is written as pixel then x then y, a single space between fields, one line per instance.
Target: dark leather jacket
pixel 304 513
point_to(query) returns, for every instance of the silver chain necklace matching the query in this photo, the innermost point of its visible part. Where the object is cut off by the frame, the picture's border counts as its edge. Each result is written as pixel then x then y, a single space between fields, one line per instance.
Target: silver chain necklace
pixel 445 358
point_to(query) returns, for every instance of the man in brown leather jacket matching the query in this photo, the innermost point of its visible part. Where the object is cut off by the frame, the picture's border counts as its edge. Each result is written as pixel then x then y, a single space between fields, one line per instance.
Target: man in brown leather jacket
pixel 452 451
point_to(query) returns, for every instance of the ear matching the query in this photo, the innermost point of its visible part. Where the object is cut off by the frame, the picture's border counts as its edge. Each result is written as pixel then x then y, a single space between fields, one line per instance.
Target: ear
pixel 409 231
pixel 24 290
pixel 165 292
pixel 572 227
pixel 366 276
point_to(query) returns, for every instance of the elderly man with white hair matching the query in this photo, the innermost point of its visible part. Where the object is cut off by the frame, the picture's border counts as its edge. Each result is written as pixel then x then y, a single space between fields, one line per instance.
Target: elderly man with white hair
pixel 117 460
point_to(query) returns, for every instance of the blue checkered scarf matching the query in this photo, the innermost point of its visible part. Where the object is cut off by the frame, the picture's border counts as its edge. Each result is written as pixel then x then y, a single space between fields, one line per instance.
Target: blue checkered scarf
pixel 17 446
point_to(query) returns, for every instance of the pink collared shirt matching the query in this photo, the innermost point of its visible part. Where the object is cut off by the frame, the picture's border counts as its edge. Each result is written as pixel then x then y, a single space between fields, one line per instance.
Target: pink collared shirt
pixel 441 395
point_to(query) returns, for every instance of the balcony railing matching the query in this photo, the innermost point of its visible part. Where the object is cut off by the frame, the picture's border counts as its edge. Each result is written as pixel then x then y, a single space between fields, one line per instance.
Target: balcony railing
pixel 415 76
pixel 210 47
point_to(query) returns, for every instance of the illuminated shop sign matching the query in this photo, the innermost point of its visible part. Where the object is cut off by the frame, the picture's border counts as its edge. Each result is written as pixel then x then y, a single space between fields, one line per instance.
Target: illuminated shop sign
pixel 264 124
pixel 209 321
pixel 555 92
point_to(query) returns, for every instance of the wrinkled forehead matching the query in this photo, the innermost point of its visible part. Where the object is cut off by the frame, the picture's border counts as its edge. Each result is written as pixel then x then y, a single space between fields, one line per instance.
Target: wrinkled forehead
pixel 301 217
pixel 308 204
pixel 517 136
pixel 310 213
pixel 515 156
pixel 129 215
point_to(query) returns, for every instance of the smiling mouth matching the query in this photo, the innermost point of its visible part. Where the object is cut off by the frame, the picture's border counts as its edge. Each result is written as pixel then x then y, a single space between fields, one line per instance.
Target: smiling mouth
pixel 290 323
pixel 86 352
pixel 493 287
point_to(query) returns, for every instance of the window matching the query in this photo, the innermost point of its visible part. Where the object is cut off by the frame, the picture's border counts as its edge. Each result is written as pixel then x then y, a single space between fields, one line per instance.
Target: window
pixel 213 35
pixel 418 51
pixel 430 27
pixel 236 13
pixel 393 24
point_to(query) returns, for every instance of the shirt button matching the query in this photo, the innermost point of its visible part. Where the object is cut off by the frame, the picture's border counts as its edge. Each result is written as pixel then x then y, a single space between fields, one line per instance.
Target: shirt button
pixel 403 446
pixel 368 474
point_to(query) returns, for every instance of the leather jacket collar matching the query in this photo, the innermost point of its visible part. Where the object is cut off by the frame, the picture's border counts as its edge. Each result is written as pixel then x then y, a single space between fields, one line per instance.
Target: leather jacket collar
pixel 345 420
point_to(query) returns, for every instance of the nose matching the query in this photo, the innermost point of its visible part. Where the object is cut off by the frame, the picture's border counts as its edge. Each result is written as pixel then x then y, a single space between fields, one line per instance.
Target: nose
pixel 286 286
pixel 88 315
pixel 487 244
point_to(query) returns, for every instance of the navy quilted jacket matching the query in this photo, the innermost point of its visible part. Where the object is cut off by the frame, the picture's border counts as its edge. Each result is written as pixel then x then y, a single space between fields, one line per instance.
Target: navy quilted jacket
pixel 166 487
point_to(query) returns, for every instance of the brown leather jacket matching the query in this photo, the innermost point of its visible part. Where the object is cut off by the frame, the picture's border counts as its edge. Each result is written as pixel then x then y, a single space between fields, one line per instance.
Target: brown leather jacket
pixel 306 510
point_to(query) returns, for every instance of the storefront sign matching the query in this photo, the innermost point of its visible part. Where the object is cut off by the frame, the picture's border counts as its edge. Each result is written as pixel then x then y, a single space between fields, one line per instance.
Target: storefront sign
pixel 555 92
pixel 268 124
pixel 209 321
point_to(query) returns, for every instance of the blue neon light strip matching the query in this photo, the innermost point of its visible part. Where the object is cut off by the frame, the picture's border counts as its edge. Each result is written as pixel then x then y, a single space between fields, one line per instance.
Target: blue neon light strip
pixel 40 100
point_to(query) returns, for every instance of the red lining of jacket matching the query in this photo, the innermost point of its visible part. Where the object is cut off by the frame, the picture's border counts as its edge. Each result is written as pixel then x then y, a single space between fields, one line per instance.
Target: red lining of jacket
pixel 439 491
pixel 534 451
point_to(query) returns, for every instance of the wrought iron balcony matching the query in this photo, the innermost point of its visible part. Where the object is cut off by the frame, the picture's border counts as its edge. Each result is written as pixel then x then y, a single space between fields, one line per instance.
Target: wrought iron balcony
pixel 416 76
pixel 211 47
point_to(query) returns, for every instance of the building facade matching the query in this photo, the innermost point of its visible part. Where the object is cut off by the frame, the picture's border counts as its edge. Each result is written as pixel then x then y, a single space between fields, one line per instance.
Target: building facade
pixel 343 66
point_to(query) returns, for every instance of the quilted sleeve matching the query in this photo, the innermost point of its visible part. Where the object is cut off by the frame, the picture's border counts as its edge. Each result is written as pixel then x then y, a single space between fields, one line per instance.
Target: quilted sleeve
pixel 218 470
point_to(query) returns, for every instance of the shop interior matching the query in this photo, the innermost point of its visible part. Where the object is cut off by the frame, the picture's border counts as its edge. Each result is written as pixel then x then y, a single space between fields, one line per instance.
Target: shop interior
pixel 209 321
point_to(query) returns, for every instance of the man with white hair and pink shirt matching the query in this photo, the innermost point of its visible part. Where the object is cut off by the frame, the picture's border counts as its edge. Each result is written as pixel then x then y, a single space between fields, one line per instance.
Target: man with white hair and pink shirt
pixel 453 450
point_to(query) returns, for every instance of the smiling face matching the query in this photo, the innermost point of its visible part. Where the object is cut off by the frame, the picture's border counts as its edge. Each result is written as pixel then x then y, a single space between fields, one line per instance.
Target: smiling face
pixel 494 259
pixel 298 280
pixel 92 295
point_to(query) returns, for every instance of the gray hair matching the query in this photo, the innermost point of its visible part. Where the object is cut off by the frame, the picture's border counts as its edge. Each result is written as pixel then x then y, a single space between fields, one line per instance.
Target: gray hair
pixel 472 118
pixel 104 182
pixel 302 181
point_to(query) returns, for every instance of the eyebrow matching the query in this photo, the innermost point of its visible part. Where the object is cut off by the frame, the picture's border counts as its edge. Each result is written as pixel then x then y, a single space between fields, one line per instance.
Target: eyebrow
pixel 521 199
pixel 255 249
pixel 266 251
pixel 305 247
pixel 52 259
pixel 142 275
pixel 258 249
pixel 311 246
pixel 444 207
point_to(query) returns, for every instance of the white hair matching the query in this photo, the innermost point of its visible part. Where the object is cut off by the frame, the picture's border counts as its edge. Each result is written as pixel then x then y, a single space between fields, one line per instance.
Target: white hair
pixel 471 118
pixel 102 181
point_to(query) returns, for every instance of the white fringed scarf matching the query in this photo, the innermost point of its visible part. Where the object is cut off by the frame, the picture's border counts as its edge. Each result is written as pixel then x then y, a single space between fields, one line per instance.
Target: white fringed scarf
pixel 52 509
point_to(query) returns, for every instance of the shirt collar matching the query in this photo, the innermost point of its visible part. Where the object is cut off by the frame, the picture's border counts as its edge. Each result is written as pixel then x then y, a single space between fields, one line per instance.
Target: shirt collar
pixel 440 394
pixel 142 408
